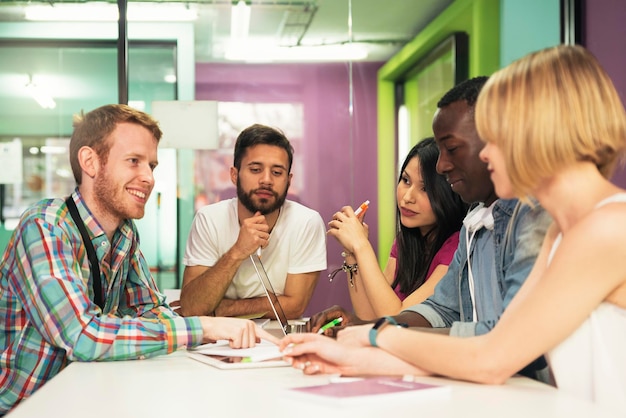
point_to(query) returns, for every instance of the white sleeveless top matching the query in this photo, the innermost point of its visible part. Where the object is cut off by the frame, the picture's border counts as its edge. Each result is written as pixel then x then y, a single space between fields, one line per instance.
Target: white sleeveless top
pixel 591 363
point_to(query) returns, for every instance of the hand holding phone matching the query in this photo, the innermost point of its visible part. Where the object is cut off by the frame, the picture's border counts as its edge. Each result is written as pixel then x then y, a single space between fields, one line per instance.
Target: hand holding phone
pixel 360 211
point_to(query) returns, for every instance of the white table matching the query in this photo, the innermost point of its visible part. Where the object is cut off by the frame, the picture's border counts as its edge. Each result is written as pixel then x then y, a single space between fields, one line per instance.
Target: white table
pixel 178 386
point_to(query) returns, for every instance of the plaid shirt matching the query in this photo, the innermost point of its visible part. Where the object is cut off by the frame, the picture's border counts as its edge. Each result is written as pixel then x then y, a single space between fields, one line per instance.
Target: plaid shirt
pixel 47 316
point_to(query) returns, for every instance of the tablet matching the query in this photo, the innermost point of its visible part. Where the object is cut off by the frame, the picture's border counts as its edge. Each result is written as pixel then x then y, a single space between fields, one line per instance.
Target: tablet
pixel 222 356
pixel 234 362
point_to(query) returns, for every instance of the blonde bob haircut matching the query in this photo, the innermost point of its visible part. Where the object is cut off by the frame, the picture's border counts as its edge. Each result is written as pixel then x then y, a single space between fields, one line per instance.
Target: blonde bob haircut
pixel 549 110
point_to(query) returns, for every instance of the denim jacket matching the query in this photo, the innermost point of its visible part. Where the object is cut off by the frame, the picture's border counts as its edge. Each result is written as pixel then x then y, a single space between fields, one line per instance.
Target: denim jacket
pixel 518 233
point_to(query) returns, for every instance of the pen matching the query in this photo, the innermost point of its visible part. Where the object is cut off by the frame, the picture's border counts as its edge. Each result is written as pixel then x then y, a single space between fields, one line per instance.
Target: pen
pixel 362 208
pixel 331 324
pixel 258 252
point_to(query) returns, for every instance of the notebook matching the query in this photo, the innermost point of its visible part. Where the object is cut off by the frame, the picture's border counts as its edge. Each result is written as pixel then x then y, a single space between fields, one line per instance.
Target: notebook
pixel 350 391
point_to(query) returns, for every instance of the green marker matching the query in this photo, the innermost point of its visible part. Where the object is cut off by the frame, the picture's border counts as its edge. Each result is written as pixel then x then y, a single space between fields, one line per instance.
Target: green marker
pixel 331 324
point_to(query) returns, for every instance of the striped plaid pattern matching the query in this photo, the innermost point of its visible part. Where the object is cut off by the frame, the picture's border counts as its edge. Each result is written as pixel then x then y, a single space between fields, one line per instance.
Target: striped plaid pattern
pixel 47 315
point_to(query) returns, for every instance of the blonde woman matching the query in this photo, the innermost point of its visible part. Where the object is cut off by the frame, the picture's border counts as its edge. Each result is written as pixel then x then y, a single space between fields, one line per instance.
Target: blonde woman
pixel 555 128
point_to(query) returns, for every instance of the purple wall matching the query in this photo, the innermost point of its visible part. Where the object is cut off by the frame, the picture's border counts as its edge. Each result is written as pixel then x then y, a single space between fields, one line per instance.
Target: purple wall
pixel 340 154
pixel 605 33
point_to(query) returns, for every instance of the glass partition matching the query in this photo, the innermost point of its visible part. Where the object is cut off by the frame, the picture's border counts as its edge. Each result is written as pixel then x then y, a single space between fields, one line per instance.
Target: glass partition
pixel 443 67
pixel 42 85
pixel 326 107
pixel 69 77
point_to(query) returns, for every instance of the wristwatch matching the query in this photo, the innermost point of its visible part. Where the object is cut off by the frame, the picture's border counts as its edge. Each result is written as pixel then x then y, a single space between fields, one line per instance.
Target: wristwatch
pixel 379 324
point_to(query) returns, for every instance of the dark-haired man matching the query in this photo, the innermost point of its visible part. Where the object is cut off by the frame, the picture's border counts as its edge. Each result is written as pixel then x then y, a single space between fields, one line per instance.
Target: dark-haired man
pixel 503 236
pixel 219 277
pixel 500 239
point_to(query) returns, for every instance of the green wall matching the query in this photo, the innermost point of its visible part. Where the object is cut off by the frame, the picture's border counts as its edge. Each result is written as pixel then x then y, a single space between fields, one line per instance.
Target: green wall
pixel 500 31
pixel 480 19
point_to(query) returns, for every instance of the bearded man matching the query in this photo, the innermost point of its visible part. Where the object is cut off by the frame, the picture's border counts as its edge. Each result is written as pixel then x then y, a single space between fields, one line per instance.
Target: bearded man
pixel 74 284
pixel 219 277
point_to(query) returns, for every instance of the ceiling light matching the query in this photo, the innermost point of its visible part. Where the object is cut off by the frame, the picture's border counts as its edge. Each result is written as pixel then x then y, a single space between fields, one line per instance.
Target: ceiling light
pixel 91 12
pixel 50 149
pixel 347 52
pixel 40 95
pixel 137 104
pixel 146 12
pixel 239 23
pixel 108 12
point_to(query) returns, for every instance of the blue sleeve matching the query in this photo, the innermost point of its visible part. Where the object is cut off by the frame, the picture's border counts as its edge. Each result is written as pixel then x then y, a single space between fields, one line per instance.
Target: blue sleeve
pixel 522 243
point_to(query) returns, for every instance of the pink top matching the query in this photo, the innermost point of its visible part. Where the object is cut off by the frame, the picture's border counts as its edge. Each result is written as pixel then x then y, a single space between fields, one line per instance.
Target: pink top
pixel 443 257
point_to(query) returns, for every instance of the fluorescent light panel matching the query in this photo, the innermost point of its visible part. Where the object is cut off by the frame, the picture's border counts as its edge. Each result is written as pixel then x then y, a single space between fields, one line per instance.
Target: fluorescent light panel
pixel 239 22
pixel 108 12
pixel 50 149
pixel 347 52
pixel 137 104
pixel 41 97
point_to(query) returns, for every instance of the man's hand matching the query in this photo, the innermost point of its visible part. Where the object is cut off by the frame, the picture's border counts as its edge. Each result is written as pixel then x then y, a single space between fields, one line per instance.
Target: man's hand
pixel 241 333
pixel 254 233
pixel 322 318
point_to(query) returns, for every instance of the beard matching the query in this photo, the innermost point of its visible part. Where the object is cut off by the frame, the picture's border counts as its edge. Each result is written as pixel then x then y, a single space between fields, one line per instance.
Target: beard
pixel 112 201
pixel 265 206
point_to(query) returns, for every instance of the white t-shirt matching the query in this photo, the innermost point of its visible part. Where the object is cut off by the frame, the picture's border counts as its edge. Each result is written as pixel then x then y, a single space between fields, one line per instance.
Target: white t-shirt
pixel 297 245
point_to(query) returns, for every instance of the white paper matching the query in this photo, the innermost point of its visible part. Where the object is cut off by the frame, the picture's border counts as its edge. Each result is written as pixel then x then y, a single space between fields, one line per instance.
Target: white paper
pixel 264 350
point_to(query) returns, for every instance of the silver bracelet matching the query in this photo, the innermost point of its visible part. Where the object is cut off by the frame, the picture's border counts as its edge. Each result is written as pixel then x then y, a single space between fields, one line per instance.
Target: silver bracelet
pixel 350 269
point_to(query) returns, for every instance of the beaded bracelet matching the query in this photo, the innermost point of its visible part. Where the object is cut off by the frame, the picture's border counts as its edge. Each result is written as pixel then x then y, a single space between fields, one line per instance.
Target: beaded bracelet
pixel 350 269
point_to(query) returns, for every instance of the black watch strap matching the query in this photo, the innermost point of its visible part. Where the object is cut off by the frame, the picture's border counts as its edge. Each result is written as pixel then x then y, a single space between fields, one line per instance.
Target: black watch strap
pixel 378 325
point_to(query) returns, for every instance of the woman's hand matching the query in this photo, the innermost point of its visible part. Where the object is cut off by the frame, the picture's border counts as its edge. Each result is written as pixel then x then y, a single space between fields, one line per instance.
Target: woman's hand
pixel 348 229
pixel 355 336
pixel 314 354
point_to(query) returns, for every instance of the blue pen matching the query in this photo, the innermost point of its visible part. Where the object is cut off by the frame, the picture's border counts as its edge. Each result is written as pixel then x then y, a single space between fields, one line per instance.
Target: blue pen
pixel 331 324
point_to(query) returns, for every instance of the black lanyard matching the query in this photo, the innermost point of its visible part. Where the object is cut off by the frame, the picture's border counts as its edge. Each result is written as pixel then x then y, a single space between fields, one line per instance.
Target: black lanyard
pixel 91 252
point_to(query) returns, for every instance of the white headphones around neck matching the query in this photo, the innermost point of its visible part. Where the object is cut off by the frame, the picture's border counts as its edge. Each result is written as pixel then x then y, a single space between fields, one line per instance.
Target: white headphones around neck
pixel 479 217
